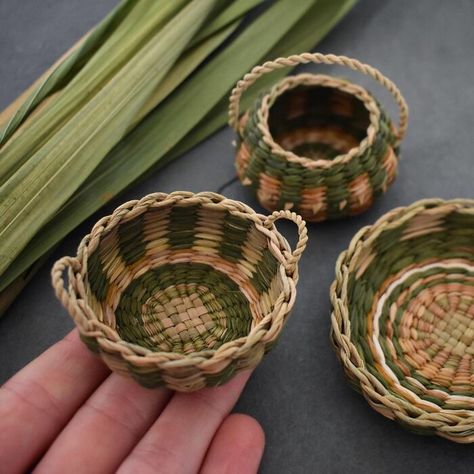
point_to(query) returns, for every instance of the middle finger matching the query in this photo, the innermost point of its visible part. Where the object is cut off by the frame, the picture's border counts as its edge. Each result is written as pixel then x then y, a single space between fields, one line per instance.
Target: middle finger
pixel 177 442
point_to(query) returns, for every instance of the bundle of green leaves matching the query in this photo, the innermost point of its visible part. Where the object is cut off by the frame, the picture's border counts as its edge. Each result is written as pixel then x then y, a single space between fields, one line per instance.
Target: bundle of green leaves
pixel 144 86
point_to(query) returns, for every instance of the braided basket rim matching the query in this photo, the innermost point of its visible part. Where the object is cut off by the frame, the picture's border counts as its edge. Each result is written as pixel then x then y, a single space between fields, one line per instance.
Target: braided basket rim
pixel 375 393
pixel 322 80
pixel 108 338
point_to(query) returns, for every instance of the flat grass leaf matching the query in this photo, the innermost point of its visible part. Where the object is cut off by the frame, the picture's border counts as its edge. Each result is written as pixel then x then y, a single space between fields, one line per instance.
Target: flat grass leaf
pixel 186 64
pixel 235 10
pixel 68 68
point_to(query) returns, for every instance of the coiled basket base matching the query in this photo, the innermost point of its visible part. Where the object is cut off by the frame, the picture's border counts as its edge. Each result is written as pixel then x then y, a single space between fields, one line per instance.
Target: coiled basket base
pixel 403 319
pixel 183 308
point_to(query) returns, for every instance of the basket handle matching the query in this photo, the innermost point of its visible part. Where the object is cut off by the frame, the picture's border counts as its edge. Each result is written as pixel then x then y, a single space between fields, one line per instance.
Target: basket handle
pixel 57 274
pixel 318 58
pixel 292 258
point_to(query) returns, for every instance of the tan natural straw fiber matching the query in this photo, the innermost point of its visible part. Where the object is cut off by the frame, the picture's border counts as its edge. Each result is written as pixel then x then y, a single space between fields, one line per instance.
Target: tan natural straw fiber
pixel 403 316
pixel 182 290
pixel 316 144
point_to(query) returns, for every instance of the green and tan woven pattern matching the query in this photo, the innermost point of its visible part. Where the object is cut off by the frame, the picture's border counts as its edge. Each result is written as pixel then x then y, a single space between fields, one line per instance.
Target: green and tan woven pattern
pixel 316 144
pixel 403 316
pixel 182 290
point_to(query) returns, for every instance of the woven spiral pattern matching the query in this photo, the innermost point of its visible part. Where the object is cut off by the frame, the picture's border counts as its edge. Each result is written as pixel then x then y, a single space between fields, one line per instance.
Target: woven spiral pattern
pixel 182 290
pixel 316 144
pixel 403 316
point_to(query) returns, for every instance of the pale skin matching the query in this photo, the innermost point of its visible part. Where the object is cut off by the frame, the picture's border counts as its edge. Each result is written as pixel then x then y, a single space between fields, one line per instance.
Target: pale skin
pixel 65 412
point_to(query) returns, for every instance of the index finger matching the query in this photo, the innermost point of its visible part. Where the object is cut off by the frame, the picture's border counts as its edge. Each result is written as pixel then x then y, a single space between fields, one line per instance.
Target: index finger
pixel 38 401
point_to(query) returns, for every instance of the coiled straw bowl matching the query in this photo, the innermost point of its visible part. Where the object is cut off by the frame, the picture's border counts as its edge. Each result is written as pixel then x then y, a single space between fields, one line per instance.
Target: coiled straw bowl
pixel 319 145
pixel 182 290
pixel 403 316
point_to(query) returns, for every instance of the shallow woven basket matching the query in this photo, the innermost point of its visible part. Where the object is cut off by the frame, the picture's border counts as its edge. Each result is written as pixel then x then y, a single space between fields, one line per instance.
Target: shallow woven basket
pixel 403 316
pixel 182 290
pixel 316 144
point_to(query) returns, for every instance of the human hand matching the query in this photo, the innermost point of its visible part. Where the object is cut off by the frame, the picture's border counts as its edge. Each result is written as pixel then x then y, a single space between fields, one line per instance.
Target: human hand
pixel 65 412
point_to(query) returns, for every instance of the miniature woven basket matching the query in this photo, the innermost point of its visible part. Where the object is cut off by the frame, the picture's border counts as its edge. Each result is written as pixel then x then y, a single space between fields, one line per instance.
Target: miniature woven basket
pixel 182 290
pixel 316 144
pixel 403 316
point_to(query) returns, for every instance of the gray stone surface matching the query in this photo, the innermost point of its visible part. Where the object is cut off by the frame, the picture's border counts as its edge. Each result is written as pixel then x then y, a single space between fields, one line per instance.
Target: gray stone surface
pixel 313 421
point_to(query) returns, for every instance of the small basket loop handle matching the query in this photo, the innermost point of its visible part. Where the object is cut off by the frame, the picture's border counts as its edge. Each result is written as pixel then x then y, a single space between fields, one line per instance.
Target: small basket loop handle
pixel 292 258
pixel 57 277
pixel 318 58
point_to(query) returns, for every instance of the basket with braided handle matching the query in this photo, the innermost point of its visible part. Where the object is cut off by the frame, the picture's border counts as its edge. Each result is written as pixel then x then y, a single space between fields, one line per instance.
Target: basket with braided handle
pixel 403 316
pixel 182 290
pixel 316 144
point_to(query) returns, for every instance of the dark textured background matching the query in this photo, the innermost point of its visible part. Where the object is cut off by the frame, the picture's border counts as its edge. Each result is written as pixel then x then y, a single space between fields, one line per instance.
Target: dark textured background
pixel 313 421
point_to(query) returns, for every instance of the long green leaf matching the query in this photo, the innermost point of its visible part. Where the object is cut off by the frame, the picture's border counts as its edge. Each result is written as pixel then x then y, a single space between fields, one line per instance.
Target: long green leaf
pixel 68 68
pixel 45 182
pixel 235 10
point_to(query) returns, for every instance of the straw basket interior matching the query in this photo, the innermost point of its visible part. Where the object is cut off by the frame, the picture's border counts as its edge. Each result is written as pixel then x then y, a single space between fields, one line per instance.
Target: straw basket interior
pixel 182 277
pixel 408 309
pixel 318 122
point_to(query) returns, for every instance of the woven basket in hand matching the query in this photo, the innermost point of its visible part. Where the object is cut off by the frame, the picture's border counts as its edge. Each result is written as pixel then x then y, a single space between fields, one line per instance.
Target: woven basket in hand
pixel 403 316
pixel 318 145
pixel 182 290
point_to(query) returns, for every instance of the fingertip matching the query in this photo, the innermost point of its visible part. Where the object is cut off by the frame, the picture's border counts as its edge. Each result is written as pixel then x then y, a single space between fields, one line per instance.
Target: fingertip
pixel 237 446
pixel 247 428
